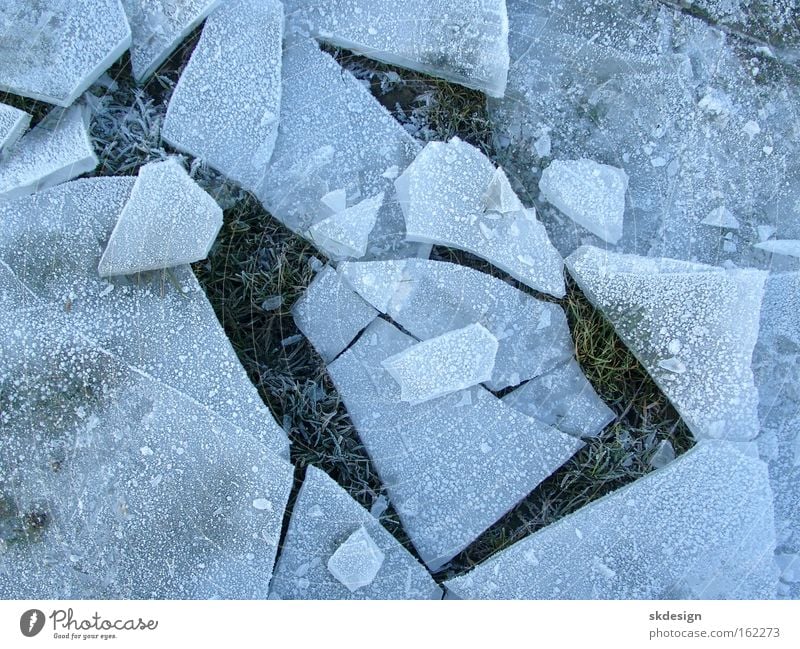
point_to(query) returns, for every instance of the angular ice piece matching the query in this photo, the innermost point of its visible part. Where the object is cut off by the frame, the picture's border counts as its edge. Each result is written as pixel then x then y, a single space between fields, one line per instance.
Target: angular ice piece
pixel 429 298
pixel 564 399
pixel 342 144
pixel 356 562
pixel 700 528
pixel 225 107
pixel 591 194
pixel 158 27
pixel 334 202
pixel 452 466
pixel 117 486
pixel 160 323
pixel 53 50
pixel 13 123
pixel 786 247
pixel 463 41
pixel 500 197
pixel 448 363
pixel 323 516
pixel 168 221
pixel 330 314
pixel 346 233
pixel 56 150
pixel 663 455
pixel 443 197
pixel 693 328
pixel 722 217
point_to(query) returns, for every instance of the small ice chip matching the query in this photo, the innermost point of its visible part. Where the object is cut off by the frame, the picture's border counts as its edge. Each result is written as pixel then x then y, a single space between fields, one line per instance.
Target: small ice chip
pixel 356 562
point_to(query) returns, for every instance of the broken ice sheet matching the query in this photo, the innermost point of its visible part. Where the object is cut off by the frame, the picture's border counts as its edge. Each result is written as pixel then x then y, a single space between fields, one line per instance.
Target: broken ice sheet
pixel 565 399
pixel 693 327
pixel 463 41
pixel 330 314
pixel 443 195
pixel 346 143
pixel 445 364
pixel 13 123
pixel 56 150
pixel 225 107
pixel 452 466
pixel 429 298
pixel 346 232
pixel 591 194
pixel 158 27
pixel 53 50
pixel 323 517
pixel 114 485
pixel 700 528
pixel 168 221
pixel 160 323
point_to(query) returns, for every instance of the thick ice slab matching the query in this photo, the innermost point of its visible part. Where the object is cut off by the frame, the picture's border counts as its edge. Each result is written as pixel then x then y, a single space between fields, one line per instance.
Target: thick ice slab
pixel 335 136
pixel 443 194
pixel 692 326
pixel 591 194
pixel 463 41
pixel 564 399
pixel 330 314
pixel 53 50
pixel 56 150
pixel 701 528
pixel 117 486
pixel 453 465
pixel 430 298
pixel 448 363
pixel 225 107
pixel 13 123
pixel 324 517
pixel 168 221
pixel 158 27
pixel 346 233
pixel 159 323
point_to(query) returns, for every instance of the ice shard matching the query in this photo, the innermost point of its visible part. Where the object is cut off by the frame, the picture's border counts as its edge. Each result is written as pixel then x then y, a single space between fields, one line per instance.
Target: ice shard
pixel 785 247
pixel 346 233
pixel 168 221
pixel 13 123
pixel 357 561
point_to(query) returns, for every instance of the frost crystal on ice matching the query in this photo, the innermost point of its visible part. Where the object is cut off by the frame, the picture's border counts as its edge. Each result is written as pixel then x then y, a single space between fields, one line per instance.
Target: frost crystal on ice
pixel 429 298
pixel 356 562
pixel 53 50
pixel 339 147
pixel 225 107
pixel 463 41
pixel 346 233
pixel 564 399
pixel 56 150
pixel 330 314
pixel 13 123
pixel 591 194
pixel 168 221
pixel 692 326
pixel 443 197
pixel 324 516
pixel 453 361
pixel 452 466
pixel 700 528
pixel 158 27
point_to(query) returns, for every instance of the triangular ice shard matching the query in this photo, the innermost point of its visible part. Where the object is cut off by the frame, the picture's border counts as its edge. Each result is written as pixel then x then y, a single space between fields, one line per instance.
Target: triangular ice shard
pixel 700 528
pixel 346 233
pixel 53 50
pixel 323 519
pixel 443 197
pixel 692 326
pixel 168 221
pixel 56 150
pixel 785 247
pixel 463 41
pixel 13 123
pixel 158 27
pixel 330 314
pixel 429 298
pixel 225 107
pixel 453 465
pixel 345 143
